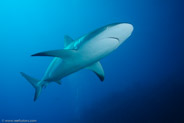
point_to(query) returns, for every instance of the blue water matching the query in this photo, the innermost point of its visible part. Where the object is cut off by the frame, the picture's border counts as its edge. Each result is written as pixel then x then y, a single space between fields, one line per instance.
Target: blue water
pixel 144 77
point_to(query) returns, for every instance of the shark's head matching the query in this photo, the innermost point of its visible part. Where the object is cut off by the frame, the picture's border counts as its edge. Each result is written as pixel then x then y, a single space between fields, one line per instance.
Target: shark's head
pixel 119 31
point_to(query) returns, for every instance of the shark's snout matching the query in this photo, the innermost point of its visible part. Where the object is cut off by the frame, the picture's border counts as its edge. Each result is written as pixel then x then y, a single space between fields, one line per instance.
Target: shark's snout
pixel 123 31
pixel 130 28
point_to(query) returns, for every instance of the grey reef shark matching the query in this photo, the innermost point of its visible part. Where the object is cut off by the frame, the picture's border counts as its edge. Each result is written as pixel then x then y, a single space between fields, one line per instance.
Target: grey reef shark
pixel 85 52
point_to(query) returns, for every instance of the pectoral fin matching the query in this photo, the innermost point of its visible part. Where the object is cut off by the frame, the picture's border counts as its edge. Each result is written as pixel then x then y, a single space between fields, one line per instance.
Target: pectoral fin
pixel 97 69
pixel 57 53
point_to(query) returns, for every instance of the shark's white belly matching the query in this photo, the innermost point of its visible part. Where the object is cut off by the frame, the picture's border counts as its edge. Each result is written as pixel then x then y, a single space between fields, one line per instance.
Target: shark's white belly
pixel 94 50
pixel 89 53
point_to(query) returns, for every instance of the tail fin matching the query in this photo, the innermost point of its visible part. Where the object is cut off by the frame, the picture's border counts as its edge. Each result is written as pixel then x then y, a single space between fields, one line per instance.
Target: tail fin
pixel 35 83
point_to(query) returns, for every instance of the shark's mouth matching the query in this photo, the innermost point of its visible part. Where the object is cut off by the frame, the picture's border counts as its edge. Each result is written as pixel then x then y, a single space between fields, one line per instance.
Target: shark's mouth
pixel 115 38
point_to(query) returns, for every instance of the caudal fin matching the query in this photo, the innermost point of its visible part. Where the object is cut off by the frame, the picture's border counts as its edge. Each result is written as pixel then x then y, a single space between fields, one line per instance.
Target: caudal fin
pixel 35 83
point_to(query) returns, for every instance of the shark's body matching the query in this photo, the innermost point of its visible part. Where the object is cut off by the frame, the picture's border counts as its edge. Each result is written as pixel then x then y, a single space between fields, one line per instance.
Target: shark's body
pixel 84 52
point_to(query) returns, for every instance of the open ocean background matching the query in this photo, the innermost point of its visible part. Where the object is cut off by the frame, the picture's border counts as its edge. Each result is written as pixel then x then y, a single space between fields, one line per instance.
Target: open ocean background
pixel 144 77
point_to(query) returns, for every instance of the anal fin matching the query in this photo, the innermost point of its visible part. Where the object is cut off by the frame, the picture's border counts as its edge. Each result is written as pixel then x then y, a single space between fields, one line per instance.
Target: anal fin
pixel 59 82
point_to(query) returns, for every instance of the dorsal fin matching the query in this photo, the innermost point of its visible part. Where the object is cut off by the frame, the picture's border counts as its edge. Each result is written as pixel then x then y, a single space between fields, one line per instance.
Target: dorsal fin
pixel 68 40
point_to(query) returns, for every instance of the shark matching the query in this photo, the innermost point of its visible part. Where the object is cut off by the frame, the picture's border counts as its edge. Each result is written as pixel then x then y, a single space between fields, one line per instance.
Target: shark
pixel 85 52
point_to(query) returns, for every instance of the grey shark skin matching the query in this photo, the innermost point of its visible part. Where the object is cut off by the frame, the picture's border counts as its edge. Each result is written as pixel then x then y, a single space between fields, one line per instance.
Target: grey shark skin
pixel 84 52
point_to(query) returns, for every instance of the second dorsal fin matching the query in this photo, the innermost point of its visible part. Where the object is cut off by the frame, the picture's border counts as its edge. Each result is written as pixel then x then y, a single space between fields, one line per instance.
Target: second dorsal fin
pixel 68 40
